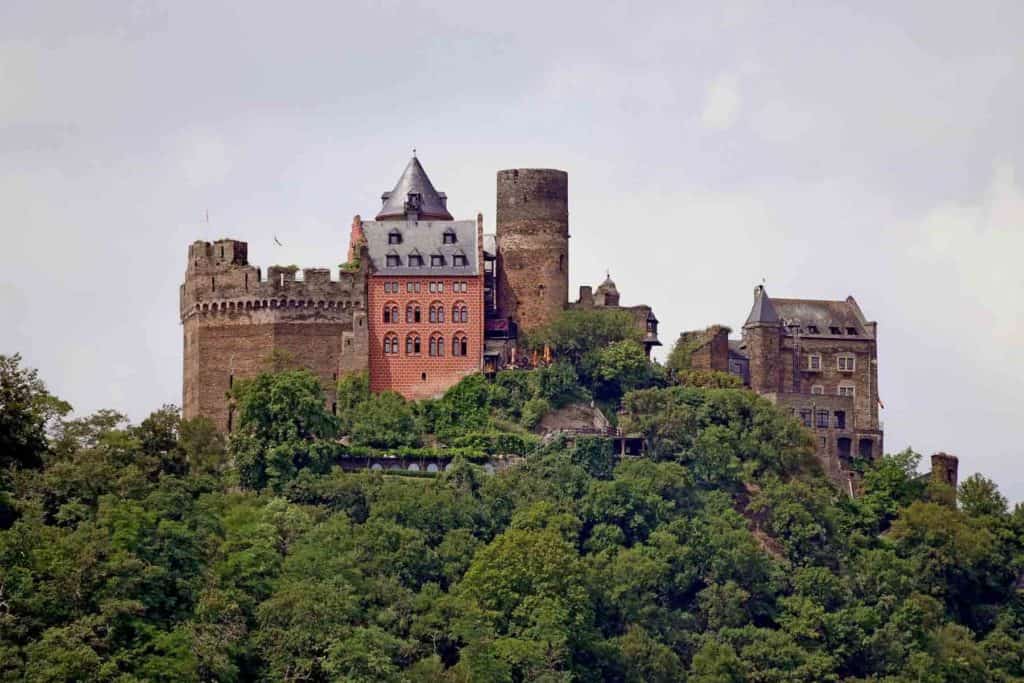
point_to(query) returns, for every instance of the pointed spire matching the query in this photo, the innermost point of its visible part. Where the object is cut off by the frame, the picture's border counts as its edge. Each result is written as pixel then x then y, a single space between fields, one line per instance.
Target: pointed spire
pixel 762 310
pixel 414 195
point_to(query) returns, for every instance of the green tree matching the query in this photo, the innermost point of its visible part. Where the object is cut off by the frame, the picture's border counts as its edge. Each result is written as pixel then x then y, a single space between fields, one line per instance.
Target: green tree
pixel 979 495
pixel 27 409
pixel 283 427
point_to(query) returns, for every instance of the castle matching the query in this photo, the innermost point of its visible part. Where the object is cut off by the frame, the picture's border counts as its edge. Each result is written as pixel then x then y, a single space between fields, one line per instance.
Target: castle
pixel 422 301
pixel 425 300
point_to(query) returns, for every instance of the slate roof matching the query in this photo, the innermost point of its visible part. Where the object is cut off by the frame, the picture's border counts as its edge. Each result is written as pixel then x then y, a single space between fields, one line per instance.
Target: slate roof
pixel 762 311
pixel 491 244
pixel 425 238
pixel 810 317
pixel 428 202
pixel 736 348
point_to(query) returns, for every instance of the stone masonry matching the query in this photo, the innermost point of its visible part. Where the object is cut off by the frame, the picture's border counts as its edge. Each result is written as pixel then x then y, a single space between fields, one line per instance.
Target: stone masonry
pixel 532 226
pixel 235 321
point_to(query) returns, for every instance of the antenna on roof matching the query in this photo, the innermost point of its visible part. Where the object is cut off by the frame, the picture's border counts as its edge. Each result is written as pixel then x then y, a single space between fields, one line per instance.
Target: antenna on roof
pixel 413 152
pixel 207 216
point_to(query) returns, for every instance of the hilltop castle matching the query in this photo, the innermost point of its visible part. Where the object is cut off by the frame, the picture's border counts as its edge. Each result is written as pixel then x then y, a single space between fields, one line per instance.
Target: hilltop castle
pixel 425 300
pixel 422 301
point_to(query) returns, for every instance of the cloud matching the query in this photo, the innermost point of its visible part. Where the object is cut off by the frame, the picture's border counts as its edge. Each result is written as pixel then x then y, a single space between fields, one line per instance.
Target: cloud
pixel 722 103
pixel 974 249
pixel 204 159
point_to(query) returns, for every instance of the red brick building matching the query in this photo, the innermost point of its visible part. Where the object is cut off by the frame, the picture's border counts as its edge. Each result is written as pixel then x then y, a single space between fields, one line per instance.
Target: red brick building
pixel 425 291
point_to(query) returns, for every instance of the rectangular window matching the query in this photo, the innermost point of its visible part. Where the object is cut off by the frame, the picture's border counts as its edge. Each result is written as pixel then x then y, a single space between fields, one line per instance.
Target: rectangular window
pixel 846 363
pixel 817 390
pixel 814 362
pixel 805 417
pixel 840 419
pixel 440 287
pixel 433 286
pixel 846 390
pixel 822 419
pixel 408 286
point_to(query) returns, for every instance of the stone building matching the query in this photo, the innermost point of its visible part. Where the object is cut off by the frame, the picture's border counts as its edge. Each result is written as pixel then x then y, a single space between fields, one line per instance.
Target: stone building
pixel 818 359
pixel 425 290
pixel 235 319
pixel 532 244
pixel 606 298
pixel 422 301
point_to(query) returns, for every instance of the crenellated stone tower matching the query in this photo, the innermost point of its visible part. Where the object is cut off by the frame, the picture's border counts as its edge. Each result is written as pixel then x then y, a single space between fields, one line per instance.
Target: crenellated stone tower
pixel 532 226
pixel 235 320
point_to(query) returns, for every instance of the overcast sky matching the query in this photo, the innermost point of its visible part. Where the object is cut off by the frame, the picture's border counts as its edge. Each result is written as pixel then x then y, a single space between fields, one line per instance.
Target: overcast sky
pixel 832 149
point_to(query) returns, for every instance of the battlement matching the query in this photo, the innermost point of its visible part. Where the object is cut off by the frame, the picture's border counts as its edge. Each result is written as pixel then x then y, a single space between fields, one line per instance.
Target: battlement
pixel 220 280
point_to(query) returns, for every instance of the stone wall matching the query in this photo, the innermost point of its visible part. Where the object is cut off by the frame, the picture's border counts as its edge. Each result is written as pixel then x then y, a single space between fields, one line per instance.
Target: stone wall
pixel 713 353
pixel 235 321
pixel 532 227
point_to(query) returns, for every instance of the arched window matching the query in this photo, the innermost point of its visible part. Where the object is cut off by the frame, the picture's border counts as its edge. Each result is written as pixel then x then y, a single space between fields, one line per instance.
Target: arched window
pixel 394 237
pixel 460 312
pixel 391 312
pixel 412 312
pixel 412 345
pixel 390 343
pixel 436 345
pixel 459 344
pixel 436 312
pixel 449 236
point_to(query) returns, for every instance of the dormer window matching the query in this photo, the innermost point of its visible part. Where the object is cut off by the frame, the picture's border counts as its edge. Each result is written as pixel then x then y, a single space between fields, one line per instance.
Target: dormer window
pixel 459 261
pixel 415 260
pixel 393 260
pixel 449 236
pixel 835 330
pixel 436 260
pixel 851 330
pixel 812 329
pixel 394 237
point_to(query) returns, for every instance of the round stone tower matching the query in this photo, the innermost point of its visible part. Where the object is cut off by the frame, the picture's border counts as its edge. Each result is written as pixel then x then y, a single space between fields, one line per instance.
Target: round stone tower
pixel 532 225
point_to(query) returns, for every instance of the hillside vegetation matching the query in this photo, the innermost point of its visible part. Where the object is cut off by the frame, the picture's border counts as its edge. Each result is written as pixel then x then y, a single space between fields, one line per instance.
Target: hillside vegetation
pixel 158 551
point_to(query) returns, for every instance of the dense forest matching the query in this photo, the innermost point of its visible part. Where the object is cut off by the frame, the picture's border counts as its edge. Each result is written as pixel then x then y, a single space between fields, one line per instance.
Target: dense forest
pixel 162 551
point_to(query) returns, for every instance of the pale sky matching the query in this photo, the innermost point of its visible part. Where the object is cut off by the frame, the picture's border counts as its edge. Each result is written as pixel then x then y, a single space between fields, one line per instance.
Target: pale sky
pixel 865 148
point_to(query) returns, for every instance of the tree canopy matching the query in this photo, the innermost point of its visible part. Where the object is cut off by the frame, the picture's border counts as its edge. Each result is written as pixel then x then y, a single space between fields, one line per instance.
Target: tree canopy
pixel 156 551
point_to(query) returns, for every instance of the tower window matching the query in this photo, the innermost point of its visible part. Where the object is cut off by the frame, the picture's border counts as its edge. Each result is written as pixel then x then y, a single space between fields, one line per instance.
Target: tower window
pixel 394 237
pixel 449 236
